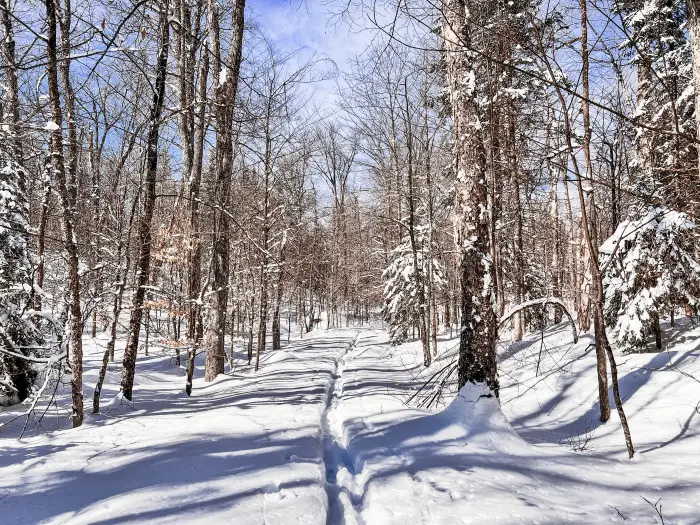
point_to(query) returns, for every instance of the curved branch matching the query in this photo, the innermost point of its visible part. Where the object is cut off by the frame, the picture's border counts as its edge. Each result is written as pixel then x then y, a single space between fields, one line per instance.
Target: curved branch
pixel 541 302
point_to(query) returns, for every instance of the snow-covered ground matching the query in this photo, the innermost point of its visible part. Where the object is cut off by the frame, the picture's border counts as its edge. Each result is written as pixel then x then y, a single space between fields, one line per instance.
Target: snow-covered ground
pixel 322 434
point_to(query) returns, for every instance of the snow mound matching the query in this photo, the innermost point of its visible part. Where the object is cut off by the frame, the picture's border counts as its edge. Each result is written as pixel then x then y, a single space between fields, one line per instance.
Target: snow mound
pixel 279 355
pixel 479 413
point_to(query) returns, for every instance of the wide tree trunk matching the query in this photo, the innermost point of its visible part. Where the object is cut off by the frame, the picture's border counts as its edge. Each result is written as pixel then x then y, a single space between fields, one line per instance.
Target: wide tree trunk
pixel 693 10
pixel 477 348
pixel 225 74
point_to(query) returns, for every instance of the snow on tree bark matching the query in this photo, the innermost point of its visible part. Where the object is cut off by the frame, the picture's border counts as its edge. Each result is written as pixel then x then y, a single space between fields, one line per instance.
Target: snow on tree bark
pixel 65 190
pixel 16 374
pixel 693 12
pixel 477 348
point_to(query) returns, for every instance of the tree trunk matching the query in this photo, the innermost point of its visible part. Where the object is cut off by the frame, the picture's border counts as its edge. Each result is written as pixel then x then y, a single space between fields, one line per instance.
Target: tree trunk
pixel 262 317
pixel 149 200
pixel 589 227
pixel 118 297
pixel 555 268
pixel 12 85
pixel 693 11
pixel 68 203
pixel 225 76
pixel 194 281
pixel 656 326
pixel 417 265
pixel 41 237
pixel 251 320
pixel 519 260
pixel 477 347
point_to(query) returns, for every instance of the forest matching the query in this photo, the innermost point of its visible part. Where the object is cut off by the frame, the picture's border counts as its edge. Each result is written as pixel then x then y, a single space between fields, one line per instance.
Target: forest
pixel 349 262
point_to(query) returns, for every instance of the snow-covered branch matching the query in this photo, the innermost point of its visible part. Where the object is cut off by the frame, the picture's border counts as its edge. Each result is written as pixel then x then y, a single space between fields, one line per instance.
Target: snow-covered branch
pixel 545 301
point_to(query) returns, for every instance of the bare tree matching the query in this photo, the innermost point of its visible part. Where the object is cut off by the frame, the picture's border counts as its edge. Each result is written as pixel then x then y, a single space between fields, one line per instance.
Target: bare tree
pixel 143 263
pixel 226 76
pixel 66 190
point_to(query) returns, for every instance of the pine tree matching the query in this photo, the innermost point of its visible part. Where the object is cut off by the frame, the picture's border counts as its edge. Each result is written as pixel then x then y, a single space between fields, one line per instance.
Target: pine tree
pixel 17 334
pixel 402 302
pixel 650 269
pixel 658 43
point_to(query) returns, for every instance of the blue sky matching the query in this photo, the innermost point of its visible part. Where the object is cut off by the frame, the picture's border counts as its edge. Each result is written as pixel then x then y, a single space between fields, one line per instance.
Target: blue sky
pixel 310 26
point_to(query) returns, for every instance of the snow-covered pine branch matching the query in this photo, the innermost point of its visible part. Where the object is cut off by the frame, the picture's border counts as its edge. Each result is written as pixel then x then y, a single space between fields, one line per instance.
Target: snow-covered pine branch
pixel 650 270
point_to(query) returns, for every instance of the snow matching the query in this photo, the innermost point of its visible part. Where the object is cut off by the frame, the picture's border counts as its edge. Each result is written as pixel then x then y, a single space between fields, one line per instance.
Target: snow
pixel 51 126
pixel 322 434
pixel 649 267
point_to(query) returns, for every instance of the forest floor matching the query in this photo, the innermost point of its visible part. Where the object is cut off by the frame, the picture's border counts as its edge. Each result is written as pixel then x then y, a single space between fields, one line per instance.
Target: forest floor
pixel 322 434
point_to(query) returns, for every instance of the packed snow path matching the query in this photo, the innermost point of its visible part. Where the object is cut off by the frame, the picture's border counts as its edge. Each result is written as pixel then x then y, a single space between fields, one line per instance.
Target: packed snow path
pixel 245 449
pixel 321 435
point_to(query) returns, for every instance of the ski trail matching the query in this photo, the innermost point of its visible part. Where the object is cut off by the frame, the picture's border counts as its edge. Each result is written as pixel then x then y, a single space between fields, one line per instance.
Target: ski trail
pixel 343 501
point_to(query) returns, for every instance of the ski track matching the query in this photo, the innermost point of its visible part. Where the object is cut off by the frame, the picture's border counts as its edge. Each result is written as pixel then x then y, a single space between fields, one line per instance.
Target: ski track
pixel 344 504
pixel 321 435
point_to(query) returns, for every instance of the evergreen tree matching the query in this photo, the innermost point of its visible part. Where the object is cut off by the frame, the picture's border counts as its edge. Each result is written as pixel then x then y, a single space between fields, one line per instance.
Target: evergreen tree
pixel 649 269
pixel 17 334
pixel 401 297
pixel 658 43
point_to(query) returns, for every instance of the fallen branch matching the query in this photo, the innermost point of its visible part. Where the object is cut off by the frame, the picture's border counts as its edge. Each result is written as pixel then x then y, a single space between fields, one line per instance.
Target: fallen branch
pixel 656 507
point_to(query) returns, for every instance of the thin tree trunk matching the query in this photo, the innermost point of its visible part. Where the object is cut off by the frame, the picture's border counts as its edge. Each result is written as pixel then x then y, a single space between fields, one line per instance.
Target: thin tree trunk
pixel 417 265
pixel 555 268
pixel 519 260
pixel 95 163
pixel 589 227
pixel 194 281
pixel 41 237
pixel 123 275
pixel 68 203
pixel 251 320
pixel 144 252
